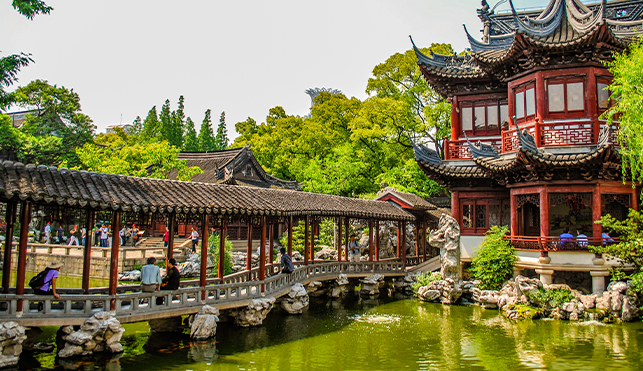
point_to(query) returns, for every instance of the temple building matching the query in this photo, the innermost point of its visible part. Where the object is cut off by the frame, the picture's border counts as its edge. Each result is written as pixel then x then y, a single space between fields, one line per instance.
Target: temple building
pixel 528 146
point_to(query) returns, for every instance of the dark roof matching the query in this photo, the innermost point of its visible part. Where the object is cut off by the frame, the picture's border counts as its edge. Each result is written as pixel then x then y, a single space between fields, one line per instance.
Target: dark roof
pixel 414 201
pixel 59 186
pixel 220 167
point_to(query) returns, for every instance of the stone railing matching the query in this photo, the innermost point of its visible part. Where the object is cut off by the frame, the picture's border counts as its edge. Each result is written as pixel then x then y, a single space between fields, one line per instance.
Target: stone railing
pixel 131 305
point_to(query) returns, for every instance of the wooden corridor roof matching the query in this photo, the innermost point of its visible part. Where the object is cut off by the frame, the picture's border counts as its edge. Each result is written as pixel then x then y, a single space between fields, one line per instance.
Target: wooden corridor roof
pixel 87 189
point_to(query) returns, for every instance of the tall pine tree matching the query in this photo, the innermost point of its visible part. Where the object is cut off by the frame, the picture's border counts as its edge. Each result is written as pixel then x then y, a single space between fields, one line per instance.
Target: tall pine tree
pixel 175 131
pixel 137 126
pixel 221 140
pixel 190 140
pixel 206 135
pixel 151 126
pixel 165 117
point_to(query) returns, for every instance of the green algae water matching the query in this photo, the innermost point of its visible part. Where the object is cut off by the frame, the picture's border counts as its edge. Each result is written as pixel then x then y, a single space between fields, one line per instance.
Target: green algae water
pixel 358 334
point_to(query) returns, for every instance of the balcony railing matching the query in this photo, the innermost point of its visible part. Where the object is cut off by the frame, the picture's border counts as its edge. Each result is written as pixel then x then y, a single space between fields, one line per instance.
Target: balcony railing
pixel 459 149
pixel 551 243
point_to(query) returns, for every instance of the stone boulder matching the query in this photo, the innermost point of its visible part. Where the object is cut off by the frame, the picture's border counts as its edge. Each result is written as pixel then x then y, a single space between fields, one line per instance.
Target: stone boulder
pixel 254 313
pixel 326 253
pixel 371 284
pixel 339 286
pixel 296 300
pixel 297 257
pixel 203 325
pixel 100 333
pixel 169 324
pixel 134 275
pixel 524 285
pixel 315 289
pixel 619 302
pixel 12 336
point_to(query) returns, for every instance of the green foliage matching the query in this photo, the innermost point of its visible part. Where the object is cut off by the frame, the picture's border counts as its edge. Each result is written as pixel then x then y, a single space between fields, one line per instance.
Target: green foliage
pixel 494 260
pixel 31 8
pixel 246 129
pixel 9 68
pixel 424 279
pixel 221 139
pixel 137 126
pixel 526 312
pixel 151 126
pixel 206 135
pixel 553 298
pixel 213 251
pixel 326 233
pixel 190 140
pixel 629 251
pixel 298 235
pixel 175 130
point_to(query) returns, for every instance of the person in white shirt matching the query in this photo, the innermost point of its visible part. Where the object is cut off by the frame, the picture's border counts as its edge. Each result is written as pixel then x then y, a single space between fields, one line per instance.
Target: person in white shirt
pixel 73 238
pixel 104 234
pixel 195 239
pixel 48 233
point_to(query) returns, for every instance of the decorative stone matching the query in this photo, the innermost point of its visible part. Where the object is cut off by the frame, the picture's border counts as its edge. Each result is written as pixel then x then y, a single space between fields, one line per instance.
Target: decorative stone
pixel 134 275
pixel 12 335
pixel 100 333
pixel 339 286
pixel 447 239
pixel 254 313
pixel 371 284
pixel 296 300
pixel 326 253
pixel 203 325
pixel 170 324
pixel 523 285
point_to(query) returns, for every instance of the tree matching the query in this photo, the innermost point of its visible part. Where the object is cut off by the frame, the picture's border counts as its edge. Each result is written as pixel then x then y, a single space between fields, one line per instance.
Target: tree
pixel 165 118
pixel 151 126
pixel 221 140
pixel 190 140
pixel 627 69
pixel 56 112
pixel 206 135
pixel 246 130
pixel 31 8
pixel 400 78
pixel 177 125
pixel 494 261
pixel 137 126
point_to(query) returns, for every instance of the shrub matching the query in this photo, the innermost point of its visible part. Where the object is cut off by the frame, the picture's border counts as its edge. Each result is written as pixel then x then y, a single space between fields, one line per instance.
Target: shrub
pixel 424 279
pixel 213 247
pixel 494 261
pixel 553 298
pixel 297 237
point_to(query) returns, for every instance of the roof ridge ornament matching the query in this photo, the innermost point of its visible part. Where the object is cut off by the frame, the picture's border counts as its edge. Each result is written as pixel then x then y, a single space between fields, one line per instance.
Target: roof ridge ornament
pixel 526 140
pixel 545 23
pixel 604 136
pixel 425 154
pixel 481 150
pixel 496 42
pixel 582 18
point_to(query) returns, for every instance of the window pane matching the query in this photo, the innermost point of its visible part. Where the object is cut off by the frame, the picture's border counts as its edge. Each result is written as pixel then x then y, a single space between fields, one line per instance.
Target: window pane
pixel 520 105
pixel 575 97
pixel 481 216
pixel 530 97
pixel 504 114
pixel 492 117
pixel 467 114
pixel 480 119
pixel 467 216
pixel 556 93
pixel 506 214
pixel 603 96
pixel 494 215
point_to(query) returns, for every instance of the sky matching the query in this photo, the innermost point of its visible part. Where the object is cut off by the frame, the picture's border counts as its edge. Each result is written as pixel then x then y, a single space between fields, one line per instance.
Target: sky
pixel 242 57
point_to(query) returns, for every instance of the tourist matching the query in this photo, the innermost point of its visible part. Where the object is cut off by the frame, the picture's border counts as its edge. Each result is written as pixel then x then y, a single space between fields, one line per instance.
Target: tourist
pixel 104 234
pixel 565 237
pixel 166 237
pixel 48 233
pixel 354 250
pixel 606 238
pixel 83 235
pixel 124 234
pixel 150 276
pixel 61 235
pixel 96 232
pixel 582 239
pixel 134 235
pixel 195 239
pixel 72 236
pixel 171 280
pixel 49 288
pixel 286 262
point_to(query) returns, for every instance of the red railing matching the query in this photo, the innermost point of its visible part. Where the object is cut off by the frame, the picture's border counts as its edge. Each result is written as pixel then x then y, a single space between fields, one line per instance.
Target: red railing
pixel 566 134
pixel 549 243
pixel 510 140
pixel 459 149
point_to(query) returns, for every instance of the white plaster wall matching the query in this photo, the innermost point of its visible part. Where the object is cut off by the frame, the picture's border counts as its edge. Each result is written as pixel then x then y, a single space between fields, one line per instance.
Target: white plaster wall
pixel 468 245
pixel 528 256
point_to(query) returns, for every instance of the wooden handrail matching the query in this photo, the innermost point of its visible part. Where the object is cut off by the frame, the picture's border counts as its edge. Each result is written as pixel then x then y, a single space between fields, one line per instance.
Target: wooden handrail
pixel 556 243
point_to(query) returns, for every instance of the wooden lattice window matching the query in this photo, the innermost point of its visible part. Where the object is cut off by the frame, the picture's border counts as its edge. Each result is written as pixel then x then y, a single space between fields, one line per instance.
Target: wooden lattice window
pixel 525 101
pixel 483 118
pixel 480 214
pixel 566 96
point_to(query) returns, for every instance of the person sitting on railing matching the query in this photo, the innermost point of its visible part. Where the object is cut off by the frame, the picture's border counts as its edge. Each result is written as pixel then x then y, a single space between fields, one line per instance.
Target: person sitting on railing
pixel 286 262
pixel 49 288
pixel 606 238
pixel 150 276
pixel 582 239
pixel 565 237
pixel 171 280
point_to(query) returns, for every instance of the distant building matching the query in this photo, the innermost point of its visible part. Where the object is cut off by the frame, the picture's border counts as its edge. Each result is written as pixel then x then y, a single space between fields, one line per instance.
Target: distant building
pixel 18 118
pixel 126 128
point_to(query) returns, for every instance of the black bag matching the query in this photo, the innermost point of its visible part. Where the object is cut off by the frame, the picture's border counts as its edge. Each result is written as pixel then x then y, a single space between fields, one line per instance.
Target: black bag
pixel 38 280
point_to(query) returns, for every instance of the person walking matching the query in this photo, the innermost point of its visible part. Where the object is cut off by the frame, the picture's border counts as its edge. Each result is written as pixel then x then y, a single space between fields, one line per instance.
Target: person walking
pixel 48 233
pixel 166 237
pixel 83 235
pixel 134 235
pixel 72 236
pixel 61 235
pixel 151 276
pixel 354 250
pixel 195 239
pixel 104 235
pixel 49 288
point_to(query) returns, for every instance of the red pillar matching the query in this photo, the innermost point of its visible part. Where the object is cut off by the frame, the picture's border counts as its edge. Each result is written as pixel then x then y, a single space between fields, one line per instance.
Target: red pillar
pixel 113 263
pixel 171 225
pixel 87 252
pixel 12 209
pixel 346 238
pixel 203 274
pixel 249 249
pixel 25 219
pixel 544 212
pixel 262 253
pixel 455 205
pixel 634 203
pixel 455 119
pixel 222 236
pixel 590 101
pixel 513 203
pixel 290 226
pixel 339 239
pixel 271 244
pixel 370 240
pixel 377 240
pixel 597 230
pixel 312 240
pixel 399 239
pixel 306 239
pixel 424 238
pixel 404 244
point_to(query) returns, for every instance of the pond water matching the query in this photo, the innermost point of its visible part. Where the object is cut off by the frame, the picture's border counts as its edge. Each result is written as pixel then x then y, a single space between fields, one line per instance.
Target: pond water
pixel 359 334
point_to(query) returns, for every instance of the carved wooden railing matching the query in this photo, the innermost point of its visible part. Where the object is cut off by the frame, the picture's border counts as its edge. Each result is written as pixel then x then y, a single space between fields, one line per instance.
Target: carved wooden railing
pixel 130 302
pixel 537 243
pixel 459 149
pixel 41 248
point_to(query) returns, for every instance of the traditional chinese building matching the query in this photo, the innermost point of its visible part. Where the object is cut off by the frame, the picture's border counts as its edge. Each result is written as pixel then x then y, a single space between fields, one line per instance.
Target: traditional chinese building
pixel 528 146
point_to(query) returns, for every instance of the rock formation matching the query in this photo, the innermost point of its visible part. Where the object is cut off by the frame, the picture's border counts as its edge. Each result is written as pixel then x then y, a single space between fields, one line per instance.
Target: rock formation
pixel 11 337
pixel 326 253
pixel 134 275
pixel 447 239
pixel 254 313
pixel 169 324
pixel 371 285
pixel 100 333
pixel 203 325
pixel 296 300
pixel 339 287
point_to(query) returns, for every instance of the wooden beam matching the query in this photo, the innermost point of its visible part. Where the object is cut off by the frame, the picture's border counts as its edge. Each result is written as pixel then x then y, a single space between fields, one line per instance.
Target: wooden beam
pixel 339 239
pixel 87 251
pixel 346 237
pixel 262 253
pixel 544 212
pixel 113 262
pixel 171 225
pixel 12 209
pixel 25 219
pixel 404 245
pixel 249 249
pixel 399 239
pixel 312 240
pixel 597 229
pixel 222 237
pixel 291 228
pixel 271 244
pixel 307 224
